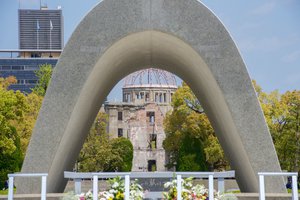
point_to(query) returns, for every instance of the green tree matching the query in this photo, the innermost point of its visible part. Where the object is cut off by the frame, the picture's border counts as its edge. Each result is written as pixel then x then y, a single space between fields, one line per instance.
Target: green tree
pixel 96 149
pixel 33 103
pixel 288 132
pixel 99 153
pixel 12 108
pixel 124 149
pixel 191 155
pixel 282 113
pixel 190 140
pixel 11 162
pixel 214 153
pixel 44 75
pixel 25 126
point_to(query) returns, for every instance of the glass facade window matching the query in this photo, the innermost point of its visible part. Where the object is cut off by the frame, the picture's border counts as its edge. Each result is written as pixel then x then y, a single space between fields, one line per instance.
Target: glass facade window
pixel 24 71
pixel 19 82
pixel 31 67
pixel 6 67
pixel 31 81
pixel 35 55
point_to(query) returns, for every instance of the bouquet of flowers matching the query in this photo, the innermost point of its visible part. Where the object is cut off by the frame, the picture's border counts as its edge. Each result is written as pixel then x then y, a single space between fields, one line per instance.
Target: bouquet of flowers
pixel 190 192
pixel 172 193
pixel 115 192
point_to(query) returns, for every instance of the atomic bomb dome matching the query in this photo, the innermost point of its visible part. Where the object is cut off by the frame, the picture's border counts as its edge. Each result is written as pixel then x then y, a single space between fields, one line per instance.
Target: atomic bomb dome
pixel 149 85
pixel 147 95
pixel 150 78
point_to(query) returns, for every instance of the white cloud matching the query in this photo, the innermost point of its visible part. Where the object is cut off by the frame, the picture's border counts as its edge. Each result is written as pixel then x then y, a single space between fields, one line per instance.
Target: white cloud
pixel 264 9
pixel 292 57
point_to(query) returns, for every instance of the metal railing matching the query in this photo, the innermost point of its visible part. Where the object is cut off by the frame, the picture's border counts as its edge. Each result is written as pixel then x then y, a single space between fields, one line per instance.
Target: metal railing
pixel 21 53
pixel 11 183
pixel 262 194
pixel 77 177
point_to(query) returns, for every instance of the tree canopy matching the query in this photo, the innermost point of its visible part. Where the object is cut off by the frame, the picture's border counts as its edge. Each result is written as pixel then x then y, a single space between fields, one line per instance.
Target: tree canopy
pixel 44 74
pixel 187 122
pixel 190 139
pixel 282 113
pixel 99 153
pixel 18 113
pixel 13 105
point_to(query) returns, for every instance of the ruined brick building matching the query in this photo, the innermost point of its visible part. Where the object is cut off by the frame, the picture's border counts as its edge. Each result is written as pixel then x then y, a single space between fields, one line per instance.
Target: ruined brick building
pixel 147 96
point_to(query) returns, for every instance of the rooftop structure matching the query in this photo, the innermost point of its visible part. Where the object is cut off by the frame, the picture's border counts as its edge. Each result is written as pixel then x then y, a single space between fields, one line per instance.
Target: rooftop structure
pixel 40 42
pixel 40 29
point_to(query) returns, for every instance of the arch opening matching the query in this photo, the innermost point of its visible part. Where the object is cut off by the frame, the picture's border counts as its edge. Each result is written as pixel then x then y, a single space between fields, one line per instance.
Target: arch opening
pixel 139 51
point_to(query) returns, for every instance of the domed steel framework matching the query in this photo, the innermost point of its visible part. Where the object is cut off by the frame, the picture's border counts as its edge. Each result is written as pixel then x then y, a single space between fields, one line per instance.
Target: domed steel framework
pixel 150 76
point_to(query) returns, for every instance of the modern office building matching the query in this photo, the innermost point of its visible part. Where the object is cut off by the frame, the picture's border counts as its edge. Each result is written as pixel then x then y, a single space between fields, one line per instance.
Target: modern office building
pixel 40 42
pixel 147 95
pixel 17 63
pixel 41 29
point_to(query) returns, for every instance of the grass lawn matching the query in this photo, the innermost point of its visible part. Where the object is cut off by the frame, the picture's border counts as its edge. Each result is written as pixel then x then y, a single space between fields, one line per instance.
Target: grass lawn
pixel 5 192
pixel 290 191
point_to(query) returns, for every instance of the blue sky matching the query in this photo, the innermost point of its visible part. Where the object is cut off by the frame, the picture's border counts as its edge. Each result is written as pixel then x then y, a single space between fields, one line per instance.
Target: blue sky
pixel 267 32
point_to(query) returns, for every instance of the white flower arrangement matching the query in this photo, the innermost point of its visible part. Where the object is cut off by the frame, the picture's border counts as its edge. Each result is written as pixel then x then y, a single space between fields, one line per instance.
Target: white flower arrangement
pixel 116 192
pixel 117 189
pixel 190 192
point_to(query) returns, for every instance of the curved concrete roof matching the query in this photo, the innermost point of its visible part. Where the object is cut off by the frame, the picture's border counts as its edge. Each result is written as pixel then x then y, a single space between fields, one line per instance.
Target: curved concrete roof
pixel 117 38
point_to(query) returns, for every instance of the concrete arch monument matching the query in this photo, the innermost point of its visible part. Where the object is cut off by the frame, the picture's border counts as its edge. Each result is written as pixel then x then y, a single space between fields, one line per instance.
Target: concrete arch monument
pixel 120 37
